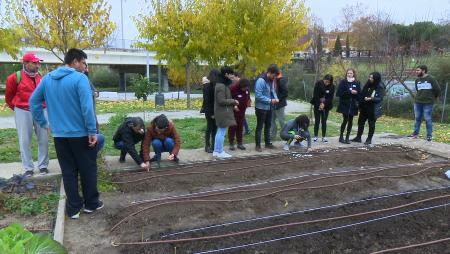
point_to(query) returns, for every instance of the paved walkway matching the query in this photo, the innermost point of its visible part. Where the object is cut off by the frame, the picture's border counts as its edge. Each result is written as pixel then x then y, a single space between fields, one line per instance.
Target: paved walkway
pixel 192 155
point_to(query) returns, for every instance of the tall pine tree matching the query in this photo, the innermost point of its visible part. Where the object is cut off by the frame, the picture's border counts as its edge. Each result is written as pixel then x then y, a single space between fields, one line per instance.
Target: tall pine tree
pixel 347 46
pixel 338 46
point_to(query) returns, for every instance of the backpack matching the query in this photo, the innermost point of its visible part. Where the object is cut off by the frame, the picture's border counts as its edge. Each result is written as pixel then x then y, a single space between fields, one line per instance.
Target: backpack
pixel 19 76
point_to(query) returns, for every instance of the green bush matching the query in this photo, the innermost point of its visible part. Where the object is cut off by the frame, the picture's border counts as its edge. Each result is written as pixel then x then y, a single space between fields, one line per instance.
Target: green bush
pixel 405 109
pixel 301 84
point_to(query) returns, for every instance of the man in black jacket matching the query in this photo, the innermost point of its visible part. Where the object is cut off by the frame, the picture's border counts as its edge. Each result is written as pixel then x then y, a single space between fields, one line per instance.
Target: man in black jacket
pixel 129 133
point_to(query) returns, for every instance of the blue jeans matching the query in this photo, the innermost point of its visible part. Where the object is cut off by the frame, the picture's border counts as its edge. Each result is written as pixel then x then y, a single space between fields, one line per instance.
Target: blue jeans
pixel 160 146
pixel 425 111
pixel 219 140
pixel 100 142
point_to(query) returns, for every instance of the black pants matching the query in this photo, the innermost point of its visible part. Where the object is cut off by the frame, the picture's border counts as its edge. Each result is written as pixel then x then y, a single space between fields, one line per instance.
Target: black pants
pixel 263 119
pixel 347 120
pixel 210 132
pixel 363 117
pixel 76 157
pixel 320 116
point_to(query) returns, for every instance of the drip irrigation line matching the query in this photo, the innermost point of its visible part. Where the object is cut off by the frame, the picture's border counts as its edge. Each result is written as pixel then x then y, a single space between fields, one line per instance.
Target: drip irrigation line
pixel 260 196
pixel 202 172
pixel 299 212
pixel 138 202
pixel 220 171
pixel 322 231
pixel 412 246
pixel 286 225
pixel 259 158
pixel 200 163
pixel 374 170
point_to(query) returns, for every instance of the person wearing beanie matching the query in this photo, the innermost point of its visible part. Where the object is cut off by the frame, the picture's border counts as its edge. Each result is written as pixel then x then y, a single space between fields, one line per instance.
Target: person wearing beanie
pixel 163 137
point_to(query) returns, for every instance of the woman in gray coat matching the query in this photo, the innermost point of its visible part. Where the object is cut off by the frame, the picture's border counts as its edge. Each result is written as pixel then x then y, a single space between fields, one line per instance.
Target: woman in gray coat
pixel 223 110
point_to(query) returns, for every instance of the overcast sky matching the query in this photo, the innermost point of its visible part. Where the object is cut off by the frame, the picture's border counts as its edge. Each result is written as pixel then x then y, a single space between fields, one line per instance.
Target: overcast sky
pixel 401 11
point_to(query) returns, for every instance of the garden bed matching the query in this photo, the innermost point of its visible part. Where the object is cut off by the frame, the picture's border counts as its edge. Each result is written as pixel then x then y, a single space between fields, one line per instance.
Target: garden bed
pixel 32 203
pixel 156 204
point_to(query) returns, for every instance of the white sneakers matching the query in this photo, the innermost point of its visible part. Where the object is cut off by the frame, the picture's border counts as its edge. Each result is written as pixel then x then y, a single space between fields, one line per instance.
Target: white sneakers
pixel 222 155
pixel 286 147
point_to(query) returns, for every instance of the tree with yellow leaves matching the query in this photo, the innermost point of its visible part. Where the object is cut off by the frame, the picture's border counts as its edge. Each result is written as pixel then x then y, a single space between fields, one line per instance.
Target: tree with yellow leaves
pixel 246 34
pixel 9 37
pixel 58 25
pixel 252 34
pixel 171 29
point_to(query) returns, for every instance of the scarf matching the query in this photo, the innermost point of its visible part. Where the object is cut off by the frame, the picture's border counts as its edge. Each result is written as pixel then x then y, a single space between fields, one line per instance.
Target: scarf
pixel 350 79
pixel 29 73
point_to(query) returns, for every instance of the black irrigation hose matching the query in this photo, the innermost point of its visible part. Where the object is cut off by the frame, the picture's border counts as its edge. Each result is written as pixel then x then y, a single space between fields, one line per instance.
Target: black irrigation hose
pixel 270 182
pixel 323 230
pixel 259 157
pixel 412 246
pixel 238 189
pixel 285 225
pixel 301 212
pixel 260 196
pixel 218 171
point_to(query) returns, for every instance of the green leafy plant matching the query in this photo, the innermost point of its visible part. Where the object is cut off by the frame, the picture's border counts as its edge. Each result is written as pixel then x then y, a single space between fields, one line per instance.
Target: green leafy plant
pixel 14 239
pixel 143 87
pixel 31 206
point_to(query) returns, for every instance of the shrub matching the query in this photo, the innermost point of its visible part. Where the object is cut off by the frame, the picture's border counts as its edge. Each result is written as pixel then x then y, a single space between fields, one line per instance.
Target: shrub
pixel 405 109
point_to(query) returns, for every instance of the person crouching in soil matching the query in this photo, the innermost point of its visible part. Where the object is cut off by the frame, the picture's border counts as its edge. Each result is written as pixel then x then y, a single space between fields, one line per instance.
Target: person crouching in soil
pixel 296 130
pixel 127 135
pixel 163 137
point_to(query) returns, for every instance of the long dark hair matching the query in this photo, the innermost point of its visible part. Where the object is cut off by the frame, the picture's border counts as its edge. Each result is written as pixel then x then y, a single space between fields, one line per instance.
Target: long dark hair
pixel 223 71
pixel 329 77
pixel 302 121
pixel 214 76
pixel 376 79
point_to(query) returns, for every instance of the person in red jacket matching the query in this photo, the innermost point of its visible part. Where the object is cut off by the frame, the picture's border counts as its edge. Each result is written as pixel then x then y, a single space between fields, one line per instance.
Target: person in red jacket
pixel 239 91
pixel 19 87
pixel 163 137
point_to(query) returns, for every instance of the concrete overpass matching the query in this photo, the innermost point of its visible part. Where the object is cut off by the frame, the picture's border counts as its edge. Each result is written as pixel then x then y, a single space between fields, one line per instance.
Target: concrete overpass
pixel 122 60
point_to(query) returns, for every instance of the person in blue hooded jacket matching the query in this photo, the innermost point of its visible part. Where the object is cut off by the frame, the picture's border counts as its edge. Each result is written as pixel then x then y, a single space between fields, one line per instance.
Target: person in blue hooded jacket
pixel 68 97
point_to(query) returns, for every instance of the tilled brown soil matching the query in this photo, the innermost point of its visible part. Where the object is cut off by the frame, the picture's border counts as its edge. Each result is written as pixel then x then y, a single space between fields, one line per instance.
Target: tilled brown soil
pixel 301 182
pixel 421 226
pixel 212 193
pixel 203 175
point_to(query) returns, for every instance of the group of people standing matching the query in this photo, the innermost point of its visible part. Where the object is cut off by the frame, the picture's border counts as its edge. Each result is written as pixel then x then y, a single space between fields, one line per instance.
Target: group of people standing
pixel 352 100
pixel 225 100
pixel 367 102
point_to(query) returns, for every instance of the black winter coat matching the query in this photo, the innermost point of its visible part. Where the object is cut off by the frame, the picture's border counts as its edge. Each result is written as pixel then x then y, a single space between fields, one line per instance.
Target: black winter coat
pixel 375 106
pixel 323 92
pixel 282 92
pixel 208 100
pixel 348 102
pixel 129 138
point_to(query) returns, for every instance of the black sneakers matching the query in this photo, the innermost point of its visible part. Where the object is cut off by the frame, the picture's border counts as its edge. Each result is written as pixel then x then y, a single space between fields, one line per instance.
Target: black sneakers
pixel 29 173
pixel 100 206
pixel 43 171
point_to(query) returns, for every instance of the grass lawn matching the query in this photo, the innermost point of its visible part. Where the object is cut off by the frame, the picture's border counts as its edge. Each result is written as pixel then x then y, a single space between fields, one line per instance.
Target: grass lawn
pixel 191 131
pixel 126 106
